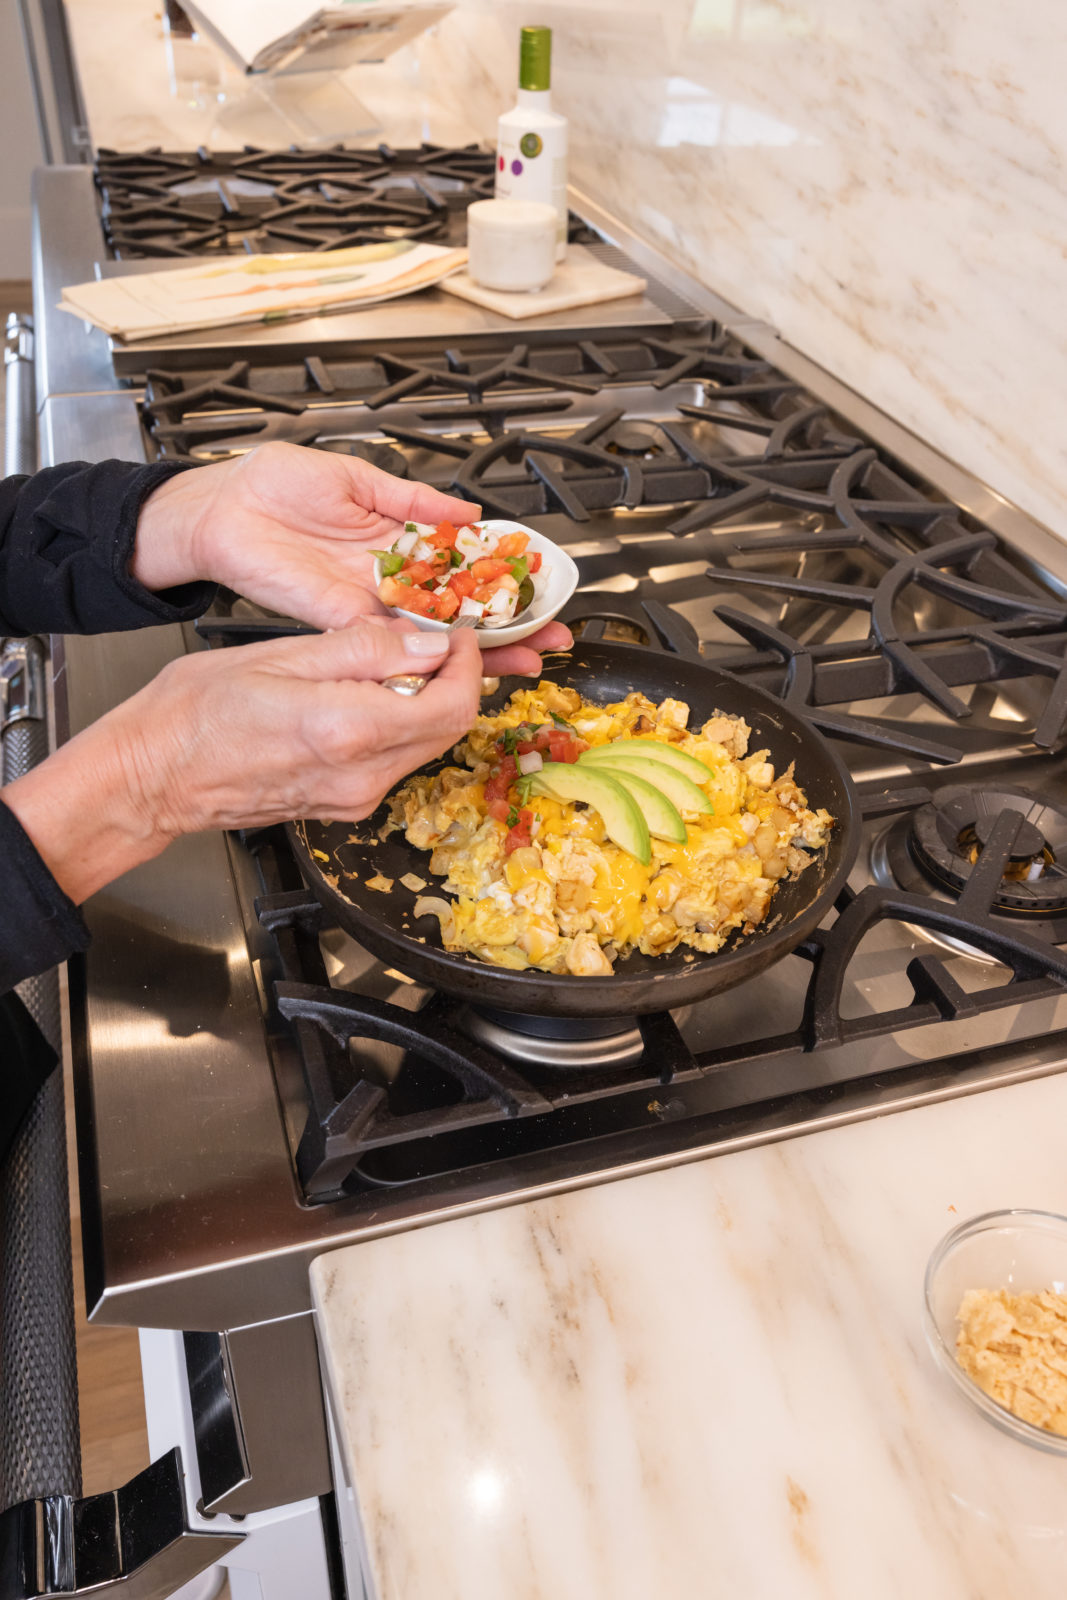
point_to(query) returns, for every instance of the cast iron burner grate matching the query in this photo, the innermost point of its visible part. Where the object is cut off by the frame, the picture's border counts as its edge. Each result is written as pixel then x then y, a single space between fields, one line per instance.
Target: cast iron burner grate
pixel 457 1104
pixel 493 427
pixel 206 202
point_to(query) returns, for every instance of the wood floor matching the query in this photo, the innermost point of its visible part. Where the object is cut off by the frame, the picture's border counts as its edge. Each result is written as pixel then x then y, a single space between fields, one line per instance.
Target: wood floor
pixel 114 1438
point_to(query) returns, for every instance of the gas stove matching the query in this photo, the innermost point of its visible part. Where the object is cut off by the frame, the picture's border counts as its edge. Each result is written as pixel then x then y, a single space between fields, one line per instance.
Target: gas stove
pixel 722 502
pixel 715 509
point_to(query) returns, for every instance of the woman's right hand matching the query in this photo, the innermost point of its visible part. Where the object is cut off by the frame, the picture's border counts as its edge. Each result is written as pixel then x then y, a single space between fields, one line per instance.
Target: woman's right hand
pixel 245 737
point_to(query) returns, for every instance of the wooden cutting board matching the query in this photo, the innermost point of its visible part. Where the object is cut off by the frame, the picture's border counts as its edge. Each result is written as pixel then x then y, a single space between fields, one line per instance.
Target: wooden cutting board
pixel 580 280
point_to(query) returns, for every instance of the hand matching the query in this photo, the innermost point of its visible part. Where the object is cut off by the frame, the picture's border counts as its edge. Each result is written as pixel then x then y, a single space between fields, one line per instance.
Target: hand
pixel 242 738
pixel 292 528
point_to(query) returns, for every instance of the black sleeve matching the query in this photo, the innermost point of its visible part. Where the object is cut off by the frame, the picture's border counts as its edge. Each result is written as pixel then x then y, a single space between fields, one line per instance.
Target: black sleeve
pixel 39 927
pixel 66 539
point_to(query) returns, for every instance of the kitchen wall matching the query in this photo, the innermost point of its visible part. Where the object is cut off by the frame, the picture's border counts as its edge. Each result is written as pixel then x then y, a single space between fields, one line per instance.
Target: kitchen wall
pixel 21 148
pixel 884 183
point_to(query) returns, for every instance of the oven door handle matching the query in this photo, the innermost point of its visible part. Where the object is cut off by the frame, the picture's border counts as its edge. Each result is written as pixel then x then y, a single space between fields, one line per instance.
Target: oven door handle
pixel 136 1540
pixel 20 419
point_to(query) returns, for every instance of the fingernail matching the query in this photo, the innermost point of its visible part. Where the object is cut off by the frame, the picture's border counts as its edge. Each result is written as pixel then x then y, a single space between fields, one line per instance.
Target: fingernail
pixel 426 644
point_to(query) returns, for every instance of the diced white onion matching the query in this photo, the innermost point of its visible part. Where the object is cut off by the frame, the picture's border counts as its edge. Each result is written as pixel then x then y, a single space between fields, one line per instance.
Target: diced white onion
pixel 406 543
pixel 468 544
pixel 531 761
pixel 422 551
pixel 470 608
pixel 501 602
pixel 429 905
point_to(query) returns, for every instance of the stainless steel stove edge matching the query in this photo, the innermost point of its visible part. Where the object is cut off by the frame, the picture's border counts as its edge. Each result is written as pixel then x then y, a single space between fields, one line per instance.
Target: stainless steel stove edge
pixel 272 1281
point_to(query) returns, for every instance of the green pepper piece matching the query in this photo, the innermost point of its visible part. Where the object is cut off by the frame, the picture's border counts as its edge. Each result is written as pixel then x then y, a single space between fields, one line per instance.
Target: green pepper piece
pixel 391 561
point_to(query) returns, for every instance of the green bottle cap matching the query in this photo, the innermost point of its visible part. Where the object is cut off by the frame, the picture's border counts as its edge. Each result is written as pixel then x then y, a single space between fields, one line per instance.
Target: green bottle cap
pixel 535 58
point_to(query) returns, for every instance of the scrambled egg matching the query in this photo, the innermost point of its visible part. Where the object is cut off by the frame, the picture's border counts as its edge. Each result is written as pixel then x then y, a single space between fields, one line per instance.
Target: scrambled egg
pixel 573 901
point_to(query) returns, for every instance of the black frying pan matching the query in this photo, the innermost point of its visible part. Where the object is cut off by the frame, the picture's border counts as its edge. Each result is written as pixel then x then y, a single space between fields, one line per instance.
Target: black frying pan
pixel 386 924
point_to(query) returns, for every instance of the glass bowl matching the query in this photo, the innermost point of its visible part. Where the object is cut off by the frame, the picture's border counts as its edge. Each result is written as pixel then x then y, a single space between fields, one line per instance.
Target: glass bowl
pixel 1017 1250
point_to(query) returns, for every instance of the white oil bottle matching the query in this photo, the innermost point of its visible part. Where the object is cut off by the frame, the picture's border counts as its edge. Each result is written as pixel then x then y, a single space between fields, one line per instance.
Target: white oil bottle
pixel 531 158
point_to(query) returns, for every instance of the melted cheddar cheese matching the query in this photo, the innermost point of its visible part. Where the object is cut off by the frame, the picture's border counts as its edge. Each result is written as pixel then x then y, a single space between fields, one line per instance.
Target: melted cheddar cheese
pixel 572 901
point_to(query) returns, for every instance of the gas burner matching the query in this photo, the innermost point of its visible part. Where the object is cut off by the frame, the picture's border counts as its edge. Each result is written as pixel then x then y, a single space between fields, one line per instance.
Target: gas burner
pixel 946 839
pixel 557 1041
pixel 379 455
pixel 940 843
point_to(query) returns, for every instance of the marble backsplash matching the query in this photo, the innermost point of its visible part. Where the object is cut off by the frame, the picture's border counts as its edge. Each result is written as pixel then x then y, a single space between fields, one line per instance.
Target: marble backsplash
pixel 884 184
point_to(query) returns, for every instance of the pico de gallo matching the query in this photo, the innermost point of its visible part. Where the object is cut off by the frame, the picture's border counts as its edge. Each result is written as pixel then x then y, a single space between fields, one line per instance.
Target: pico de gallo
pixel 445 572
pixel 516 754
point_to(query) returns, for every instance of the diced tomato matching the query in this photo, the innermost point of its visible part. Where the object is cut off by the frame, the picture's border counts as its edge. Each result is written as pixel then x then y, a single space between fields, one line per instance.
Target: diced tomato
pixel 520 835
pixel 426 603
pixel 488 568
pixel 500 781
pixel 393 593
pixel 544 735
pixel 486 591
pixel 443 536
pixel 563 746
pixel 512 544
pixel 499 807
pixel 418 571
pixel 462 583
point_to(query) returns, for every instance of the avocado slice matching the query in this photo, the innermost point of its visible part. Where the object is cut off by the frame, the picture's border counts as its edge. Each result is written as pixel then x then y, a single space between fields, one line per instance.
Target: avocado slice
pixel 658 750
pixel 679 789
pixel 622 818
pixel 663 818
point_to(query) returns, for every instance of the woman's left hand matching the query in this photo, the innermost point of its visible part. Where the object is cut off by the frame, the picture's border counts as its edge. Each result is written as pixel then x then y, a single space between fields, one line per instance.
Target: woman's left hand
pixel 292 528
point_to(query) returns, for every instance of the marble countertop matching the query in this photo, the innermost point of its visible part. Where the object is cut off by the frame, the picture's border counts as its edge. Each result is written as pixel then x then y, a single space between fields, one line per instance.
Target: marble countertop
pixel 703 1382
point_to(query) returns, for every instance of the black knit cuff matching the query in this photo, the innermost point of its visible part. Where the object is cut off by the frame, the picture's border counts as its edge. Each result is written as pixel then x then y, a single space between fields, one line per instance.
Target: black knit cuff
pixel 39 926
pixel 180 604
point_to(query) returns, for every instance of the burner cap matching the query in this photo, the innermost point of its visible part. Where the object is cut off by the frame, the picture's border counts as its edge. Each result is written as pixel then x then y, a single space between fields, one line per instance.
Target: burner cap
pixel 385 456
pixel 634 439
pixel 948 835
pixel 575 1042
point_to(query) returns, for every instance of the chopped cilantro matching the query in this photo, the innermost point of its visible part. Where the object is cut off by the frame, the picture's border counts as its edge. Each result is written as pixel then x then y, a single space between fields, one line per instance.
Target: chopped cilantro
pixel 411 527
pixel 513 817
pixel 457 559
pixel 561 722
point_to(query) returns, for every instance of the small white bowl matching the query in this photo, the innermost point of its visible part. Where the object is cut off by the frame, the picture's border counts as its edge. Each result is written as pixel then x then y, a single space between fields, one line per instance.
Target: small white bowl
pixel 556 582
pixel 1016 1250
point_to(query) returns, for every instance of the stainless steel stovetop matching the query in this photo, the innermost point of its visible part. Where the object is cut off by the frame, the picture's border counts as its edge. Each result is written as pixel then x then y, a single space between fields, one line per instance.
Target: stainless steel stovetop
pixel 723 498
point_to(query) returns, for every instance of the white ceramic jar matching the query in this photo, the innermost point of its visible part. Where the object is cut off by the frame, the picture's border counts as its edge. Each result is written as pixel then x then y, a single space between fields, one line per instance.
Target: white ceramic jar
pixel 511 244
